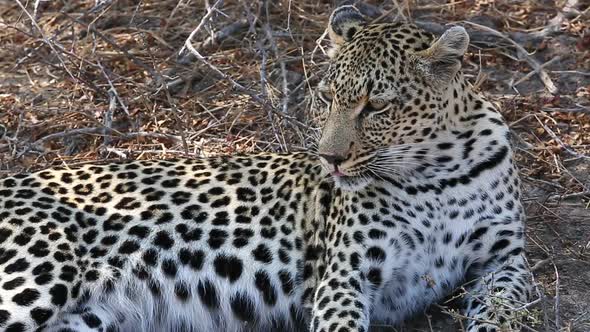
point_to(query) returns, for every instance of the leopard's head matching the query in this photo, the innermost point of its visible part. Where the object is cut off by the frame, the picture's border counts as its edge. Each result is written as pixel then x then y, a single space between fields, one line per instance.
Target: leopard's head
pixel 383 96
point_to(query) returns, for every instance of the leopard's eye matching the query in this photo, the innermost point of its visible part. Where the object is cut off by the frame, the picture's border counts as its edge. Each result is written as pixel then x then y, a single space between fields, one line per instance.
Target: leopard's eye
pixel 375 107
pixel 325 96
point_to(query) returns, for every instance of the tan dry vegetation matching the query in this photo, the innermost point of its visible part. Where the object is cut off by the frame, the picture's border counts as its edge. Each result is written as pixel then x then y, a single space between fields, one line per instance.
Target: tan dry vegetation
pixel 86 81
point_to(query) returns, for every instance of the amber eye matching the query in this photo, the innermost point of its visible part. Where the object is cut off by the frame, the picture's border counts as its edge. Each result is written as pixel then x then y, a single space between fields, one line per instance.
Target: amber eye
pixel 375 107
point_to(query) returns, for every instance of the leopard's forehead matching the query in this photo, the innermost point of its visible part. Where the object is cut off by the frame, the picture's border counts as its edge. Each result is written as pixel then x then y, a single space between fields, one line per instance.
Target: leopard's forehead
pixel 378 56
pixel 376 38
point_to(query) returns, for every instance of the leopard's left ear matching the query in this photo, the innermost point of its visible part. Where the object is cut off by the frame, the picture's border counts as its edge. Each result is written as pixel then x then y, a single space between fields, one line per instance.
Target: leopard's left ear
pixel 344 23
pixel 440 62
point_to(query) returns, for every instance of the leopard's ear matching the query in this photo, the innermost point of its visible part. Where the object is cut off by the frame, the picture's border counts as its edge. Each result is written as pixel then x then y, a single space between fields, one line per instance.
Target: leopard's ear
pixel 440 62
pixel 344 23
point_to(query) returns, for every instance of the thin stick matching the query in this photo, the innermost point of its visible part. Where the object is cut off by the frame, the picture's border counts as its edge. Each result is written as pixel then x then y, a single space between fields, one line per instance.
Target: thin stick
pixel 318 44
pixel 263 80
pixel 45 40
pixel 540 294
pixel 171 103
pixel 225 32
pixel 109 41
pixel 523 52
pixel 574 72
pixel 557 300
pixel 188 44
pixel 560 142
pixel 101 130
pixel 113 90
pixel 204 19
pixel 275 50
pixel 108 119
pixel 263 83
pixel 273 46
pixel 572 195
pixel 533 72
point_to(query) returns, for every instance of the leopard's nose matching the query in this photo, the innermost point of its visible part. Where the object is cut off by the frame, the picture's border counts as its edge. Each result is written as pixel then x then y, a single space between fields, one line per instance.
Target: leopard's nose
pixel 333 159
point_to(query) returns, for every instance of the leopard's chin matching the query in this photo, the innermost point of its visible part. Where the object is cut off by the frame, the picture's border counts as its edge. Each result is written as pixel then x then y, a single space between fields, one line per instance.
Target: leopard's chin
pixel 352 183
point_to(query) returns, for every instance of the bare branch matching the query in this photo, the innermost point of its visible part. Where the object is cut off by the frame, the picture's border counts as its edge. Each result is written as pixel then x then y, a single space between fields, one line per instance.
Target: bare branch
pixel 157 78
pixel 188 44
pixel 101 131
pixel 560 142
pixel 522 52
pixel 45 40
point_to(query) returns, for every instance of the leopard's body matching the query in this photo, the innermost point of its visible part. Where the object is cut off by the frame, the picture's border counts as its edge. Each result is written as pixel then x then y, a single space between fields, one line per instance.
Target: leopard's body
pixel 413 193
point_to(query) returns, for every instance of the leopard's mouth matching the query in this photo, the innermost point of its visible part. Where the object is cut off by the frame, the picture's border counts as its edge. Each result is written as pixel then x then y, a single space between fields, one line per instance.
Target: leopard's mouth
pixel 348 178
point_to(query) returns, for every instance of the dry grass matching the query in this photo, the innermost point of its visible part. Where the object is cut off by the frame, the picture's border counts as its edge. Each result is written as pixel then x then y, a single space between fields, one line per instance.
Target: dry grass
pixel 83 82
pixel 101 83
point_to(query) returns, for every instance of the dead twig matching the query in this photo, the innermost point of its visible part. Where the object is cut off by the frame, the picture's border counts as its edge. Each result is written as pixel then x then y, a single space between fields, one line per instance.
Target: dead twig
pixel 45 40
pixel 285 85
pixel 283 68
pixel 554 25
pixel 567 72
pixel 557 300
pixel 581 109
pixel 101 131
pixel 224 33
pixel 572 195
pixel 116 46
pixel 108 118
pixel 263 84
pixel 559 141
pixel 188 45
pixel 522 52
pixel 540 264
pixel 113 91
pixel 535 71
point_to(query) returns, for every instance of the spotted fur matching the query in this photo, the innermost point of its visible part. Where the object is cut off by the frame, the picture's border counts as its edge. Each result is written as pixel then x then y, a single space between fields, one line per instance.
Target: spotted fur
pixel 413 193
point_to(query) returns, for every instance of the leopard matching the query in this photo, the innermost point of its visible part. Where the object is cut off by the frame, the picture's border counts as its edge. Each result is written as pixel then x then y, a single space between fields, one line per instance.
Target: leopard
pixel 411 194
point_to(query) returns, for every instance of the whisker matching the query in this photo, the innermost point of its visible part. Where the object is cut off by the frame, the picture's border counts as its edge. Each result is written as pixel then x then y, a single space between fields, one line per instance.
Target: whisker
pixel 391 171
pixel 376 174
pixel 393 166
pixel 385 170
pixel 397 168
pixel 392 159
pixel 396 163
pixel 398 157
pixel 405 154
